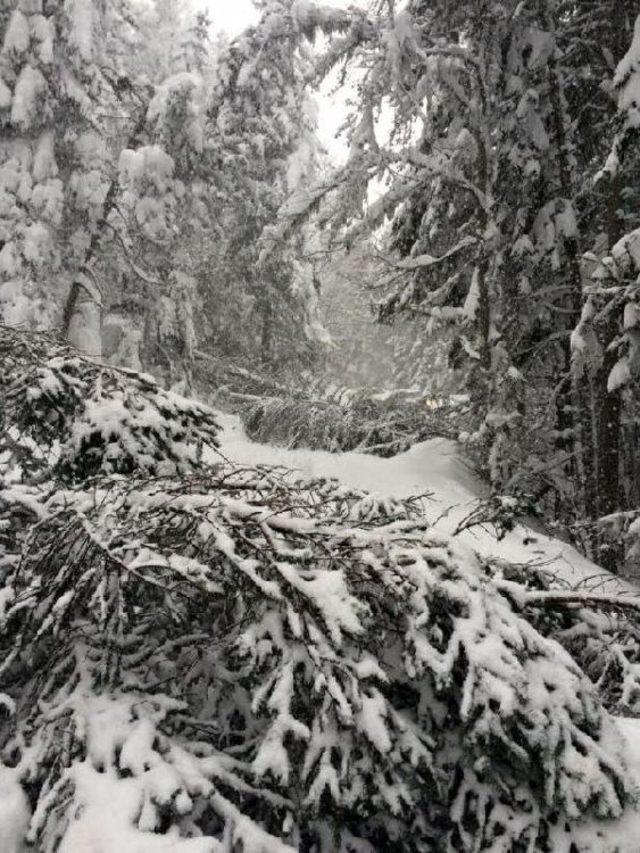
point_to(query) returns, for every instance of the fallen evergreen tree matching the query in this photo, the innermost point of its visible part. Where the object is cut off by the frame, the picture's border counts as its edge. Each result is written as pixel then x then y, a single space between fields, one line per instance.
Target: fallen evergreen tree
pixel 300 410
pixel 232 659
pixel 381 423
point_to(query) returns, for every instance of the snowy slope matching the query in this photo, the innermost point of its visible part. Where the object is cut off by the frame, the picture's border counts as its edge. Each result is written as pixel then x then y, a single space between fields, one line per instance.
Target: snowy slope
pixel 436 467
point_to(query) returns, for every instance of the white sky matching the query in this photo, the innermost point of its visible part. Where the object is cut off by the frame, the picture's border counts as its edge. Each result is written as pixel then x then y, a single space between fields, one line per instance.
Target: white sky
pixel 233 15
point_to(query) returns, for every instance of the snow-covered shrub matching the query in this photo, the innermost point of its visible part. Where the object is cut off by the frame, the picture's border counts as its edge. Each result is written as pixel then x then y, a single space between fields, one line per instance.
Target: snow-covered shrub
pixel 237 660
pixel 623 527
pixel 501 513
pixel 74 417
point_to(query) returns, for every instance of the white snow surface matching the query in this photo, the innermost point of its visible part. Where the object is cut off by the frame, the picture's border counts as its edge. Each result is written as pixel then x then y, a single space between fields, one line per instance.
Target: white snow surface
pixel 437 468
pixel 15 813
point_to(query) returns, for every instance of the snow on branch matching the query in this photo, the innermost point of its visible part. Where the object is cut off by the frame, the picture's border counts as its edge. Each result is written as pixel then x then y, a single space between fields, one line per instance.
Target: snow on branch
pixel 312 18
pixel 292 612
pixel 68 416
pixel 237 658
pixel 424 261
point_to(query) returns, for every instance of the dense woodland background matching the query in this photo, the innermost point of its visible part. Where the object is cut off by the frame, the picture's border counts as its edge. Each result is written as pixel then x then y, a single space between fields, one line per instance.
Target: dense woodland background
pixel 166 201
pixel 172 234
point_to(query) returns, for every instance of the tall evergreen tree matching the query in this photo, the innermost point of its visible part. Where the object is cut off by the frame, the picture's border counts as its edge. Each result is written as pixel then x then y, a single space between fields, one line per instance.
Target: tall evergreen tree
pixel 53 157
pixel 499 119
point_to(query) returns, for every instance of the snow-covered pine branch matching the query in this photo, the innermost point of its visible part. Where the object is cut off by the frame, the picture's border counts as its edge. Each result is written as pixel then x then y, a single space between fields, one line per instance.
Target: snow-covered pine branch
pixel 231 634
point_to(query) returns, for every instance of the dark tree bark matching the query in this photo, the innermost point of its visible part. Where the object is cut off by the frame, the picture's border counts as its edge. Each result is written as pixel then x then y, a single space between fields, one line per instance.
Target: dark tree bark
pixel 609 402
pixel 573 412
pixel 72 315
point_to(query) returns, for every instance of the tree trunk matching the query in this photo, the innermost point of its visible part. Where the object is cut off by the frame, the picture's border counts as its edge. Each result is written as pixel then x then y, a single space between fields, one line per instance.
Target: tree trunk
pixel 82 314
pixel 267 332
pixel 484 316
pixel 609 403
pixel 573 412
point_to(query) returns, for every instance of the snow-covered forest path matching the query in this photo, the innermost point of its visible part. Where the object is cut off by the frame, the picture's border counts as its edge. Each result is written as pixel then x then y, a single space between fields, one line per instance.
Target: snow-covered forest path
pixel 437 468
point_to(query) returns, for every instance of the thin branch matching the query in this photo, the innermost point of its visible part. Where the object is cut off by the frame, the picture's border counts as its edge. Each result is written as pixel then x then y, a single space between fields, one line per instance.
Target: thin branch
pixel 558 598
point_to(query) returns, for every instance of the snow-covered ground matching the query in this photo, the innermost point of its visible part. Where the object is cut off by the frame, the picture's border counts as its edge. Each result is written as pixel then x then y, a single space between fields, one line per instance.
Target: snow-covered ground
pixel 14 812
pixel 435 467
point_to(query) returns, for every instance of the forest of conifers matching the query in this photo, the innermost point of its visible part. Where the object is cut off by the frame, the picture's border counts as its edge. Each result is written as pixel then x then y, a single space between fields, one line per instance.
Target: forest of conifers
pixel 319 494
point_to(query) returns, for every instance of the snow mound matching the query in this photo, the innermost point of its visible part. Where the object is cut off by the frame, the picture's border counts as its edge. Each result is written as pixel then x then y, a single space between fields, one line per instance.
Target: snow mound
pixel 15 813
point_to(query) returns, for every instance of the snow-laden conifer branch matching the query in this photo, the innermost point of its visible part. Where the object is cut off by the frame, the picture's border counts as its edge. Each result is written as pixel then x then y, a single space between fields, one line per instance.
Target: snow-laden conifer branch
pixel 235 656
pixel 65 415
pixel 321 625
pixel 424 261
pixel 563 598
